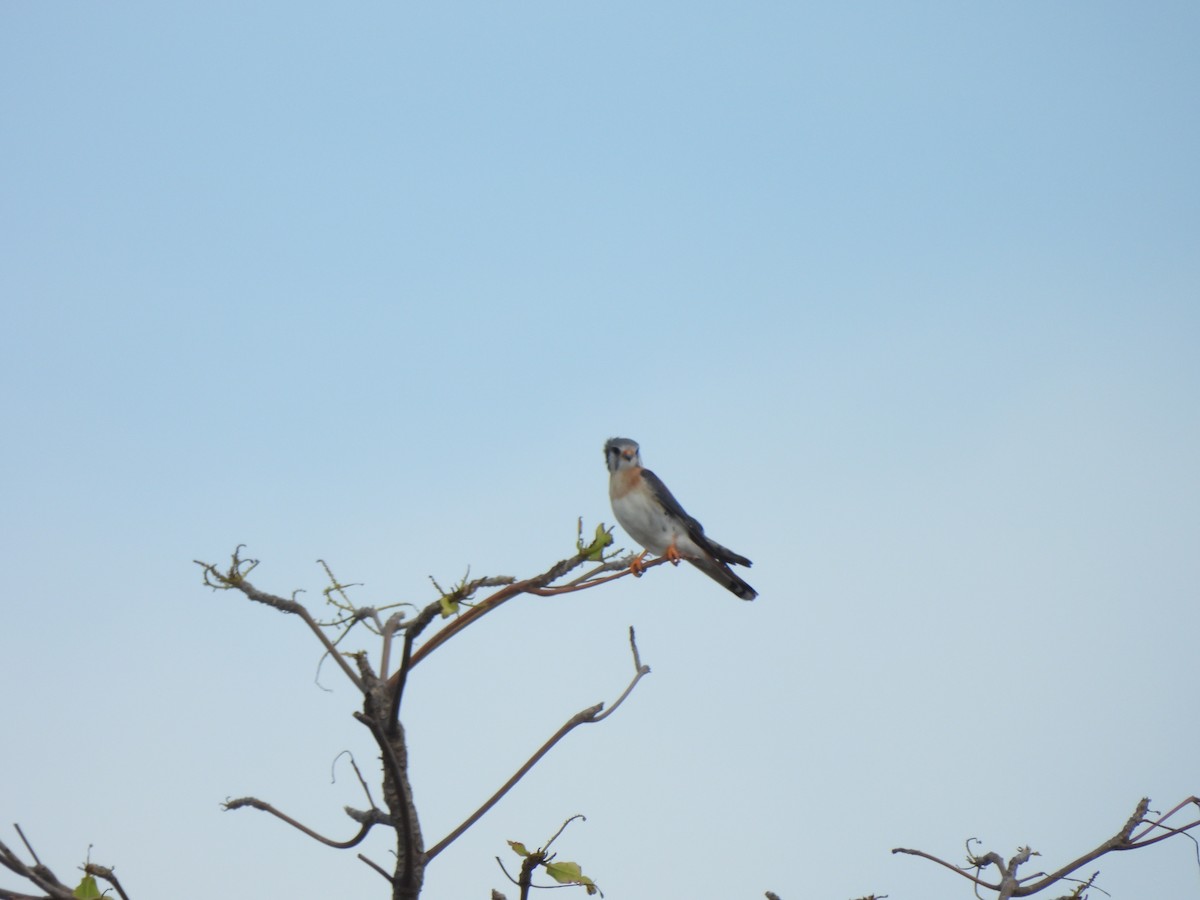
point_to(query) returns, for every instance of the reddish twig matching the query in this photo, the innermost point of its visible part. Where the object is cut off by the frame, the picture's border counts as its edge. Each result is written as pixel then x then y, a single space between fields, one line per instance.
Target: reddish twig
pixel 539 585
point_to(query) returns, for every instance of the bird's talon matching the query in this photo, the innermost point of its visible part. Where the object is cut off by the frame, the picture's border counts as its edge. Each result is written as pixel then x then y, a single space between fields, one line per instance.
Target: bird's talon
pixel 636 565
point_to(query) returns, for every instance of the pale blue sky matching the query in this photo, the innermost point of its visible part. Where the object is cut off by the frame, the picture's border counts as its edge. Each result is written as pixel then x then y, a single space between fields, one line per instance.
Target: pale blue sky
pixel 901 300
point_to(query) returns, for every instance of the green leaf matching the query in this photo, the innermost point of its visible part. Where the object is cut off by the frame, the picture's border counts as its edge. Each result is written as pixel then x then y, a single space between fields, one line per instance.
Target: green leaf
pixel 564 872
pixel 88 889
pixel 595 550
pixel 570 873
pixel 518 848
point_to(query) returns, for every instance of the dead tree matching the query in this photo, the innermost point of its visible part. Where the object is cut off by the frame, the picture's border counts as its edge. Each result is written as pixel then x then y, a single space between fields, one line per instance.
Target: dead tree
pixel 381 681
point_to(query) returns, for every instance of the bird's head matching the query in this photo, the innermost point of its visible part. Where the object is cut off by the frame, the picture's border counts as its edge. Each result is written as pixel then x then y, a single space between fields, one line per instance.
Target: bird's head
pixel 621 453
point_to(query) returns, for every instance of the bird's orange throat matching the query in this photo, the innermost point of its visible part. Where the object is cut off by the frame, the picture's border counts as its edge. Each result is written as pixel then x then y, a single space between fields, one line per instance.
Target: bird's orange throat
pixel 625 482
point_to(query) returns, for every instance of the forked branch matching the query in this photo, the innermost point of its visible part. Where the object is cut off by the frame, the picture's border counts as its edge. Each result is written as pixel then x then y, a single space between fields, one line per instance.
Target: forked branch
pixel 1010 885
pixel 541 585
pixel 382 690
pixel 41 877
pixel 234 578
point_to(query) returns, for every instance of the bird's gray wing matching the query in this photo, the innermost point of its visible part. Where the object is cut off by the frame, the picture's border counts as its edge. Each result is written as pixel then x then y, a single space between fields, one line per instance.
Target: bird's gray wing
pixel 672 506
pixel 694 529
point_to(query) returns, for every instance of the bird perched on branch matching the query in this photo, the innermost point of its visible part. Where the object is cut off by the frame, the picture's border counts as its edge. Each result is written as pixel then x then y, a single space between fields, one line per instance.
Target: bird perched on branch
pixel 653 517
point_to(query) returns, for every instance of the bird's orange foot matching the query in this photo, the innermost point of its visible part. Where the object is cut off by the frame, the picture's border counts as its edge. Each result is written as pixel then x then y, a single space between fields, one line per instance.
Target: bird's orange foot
pixel 673 554
pixel 637 564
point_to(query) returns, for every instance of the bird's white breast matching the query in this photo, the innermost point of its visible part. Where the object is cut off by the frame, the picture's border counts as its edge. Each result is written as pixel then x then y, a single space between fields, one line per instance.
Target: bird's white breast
pixel 643 518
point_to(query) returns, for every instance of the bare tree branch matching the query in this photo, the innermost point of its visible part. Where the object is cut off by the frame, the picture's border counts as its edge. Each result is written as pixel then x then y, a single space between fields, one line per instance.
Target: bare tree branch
pixel 953 868
pixel 41 876
pixel 538 584
pixel 412 631
pixel 108 875
pixel 1011 886
pixel 383 691
pixel 1140 838
pixel 587 716
pixel 378 868
pixel 234 578
pixel 368 819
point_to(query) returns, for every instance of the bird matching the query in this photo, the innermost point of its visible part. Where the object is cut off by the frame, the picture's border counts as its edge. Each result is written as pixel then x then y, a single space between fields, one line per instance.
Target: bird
pixel 652 516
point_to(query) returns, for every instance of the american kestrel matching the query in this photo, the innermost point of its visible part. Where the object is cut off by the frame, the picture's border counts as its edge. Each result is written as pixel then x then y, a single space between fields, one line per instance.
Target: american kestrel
pixel 653 517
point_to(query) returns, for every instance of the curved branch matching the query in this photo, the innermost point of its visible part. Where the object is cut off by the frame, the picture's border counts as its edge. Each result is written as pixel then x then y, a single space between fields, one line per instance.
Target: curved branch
pixel 953 868
pixel 539 585
pixel 639 670
pixel 580 718
pixel 583 717
pixel 369 818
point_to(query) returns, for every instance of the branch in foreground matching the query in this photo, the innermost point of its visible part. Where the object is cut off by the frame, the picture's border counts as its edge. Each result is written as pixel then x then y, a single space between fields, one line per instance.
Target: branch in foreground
pixel 382 692
pixel 1009 885
pixel 584 717
pixel 108 875
pixel 45 880
pixel 366 819
pixel 564 872
pixel 234 578
pixel 540 585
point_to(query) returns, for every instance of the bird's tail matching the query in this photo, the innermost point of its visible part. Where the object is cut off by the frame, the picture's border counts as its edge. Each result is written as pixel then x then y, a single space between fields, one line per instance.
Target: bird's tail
pixel 719 572
pixel 725 555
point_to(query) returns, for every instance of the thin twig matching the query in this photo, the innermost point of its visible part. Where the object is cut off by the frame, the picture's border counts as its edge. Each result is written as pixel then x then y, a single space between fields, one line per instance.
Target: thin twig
pixel 611 565
pixel 357 774
pixel 1171 832
pixel 583 583
pixel 28 846
pixel 369 820
pixel 583 717
pixel 580 718
pixel 235 579
pixel 950 866
pixel 378 868
pixel 639 671
pixel 1157 823
pixel 38 873
pixel 538 585
pixel 562 828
